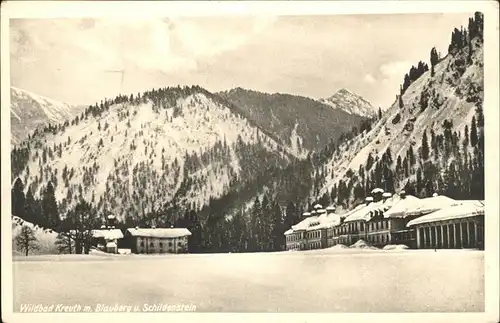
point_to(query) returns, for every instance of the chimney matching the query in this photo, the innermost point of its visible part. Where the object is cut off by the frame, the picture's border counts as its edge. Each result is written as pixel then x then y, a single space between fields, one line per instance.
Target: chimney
pixel 377 194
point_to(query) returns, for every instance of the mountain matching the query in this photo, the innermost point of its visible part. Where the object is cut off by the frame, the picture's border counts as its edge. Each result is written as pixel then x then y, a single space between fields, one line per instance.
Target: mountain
pixel 136 155
pixel 29 111
pixel 300 123
pixel 431 138
pixel 351 103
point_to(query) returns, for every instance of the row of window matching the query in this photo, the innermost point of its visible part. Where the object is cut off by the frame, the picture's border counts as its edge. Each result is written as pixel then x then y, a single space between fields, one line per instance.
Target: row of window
pixel 379 238
pixel 297 237
pixel 151 244
pixel 344 229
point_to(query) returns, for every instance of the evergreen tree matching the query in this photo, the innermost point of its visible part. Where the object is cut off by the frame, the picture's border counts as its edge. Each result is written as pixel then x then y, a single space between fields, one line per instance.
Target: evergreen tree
pixel 425 146
pixel 64 244
pixel 434 60
pixel 26 240
pixel 466 138
pixel 18 199
pixel 30 202
pixel 277 229
pixel 49 206
pixel 473 132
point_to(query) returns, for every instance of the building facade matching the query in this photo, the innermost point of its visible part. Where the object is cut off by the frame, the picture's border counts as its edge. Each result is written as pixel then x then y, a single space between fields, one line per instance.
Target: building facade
pixel 435 222
pixel 157 240
pixel 456 227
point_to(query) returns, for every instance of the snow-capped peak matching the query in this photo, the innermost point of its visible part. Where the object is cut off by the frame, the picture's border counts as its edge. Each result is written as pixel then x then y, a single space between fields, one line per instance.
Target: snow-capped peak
pixel 29 111
pixel 351 103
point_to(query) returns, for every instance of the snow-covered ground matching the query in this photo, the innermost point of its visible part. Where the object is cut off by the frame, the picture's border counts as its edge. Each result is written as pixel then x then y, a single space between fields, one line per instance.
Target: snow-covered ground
pixel 330 280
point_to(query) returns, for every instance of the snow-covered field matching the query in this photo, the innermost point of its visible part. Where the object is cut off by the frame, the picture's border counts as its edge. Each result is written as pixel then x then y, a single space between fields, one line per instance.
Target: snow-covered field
pixel 332 280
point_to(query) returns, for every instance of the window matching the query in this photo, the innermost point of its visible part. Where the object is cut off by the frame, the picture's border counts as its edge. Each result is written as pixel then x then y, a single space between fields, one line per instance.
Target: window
pixel 170 244
pixel 151 244
pixel 161 244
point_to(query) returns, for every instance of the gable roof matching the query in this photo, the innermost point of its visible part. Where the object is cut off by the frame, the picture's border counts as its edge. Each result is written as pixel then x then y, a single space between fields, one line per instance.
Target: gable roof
pixel 463 209
pixel 109 234
pixel 366 213
pixel 159 232
pixel 400 208
pixel 431 204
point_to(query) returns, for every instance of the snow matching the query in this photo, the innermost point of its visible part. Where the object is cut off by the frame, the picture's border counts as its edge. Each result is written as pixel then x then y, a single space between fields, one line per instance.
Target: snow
pixel 361 244
pixel 45 238
pixel 400 209
pixel 366 213
pixel 464 209
pixel 351 103
pixel 395 247
pixel 384 134
pixel 337 279
pixel 431 204
pixel 203 122
pixel 30 110
pixel 108 234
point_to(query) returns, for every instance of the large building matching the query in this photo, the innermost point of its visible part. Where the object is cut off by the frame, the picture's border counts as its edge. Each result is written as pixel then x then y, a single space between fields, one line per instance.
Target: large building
pixel 386 219
pixel 157 240
pixel 458 226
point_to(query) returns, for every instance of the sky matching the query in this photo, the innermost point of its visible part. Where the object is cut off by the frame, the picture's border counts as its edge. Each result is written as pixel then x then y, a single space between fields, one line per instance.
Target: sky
pixel 82 61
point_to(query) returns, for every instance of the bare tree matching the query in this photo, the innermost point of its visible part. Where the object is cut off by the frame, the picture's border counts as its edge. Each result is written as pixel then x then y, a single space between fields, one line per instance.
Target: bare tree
pixel 26 240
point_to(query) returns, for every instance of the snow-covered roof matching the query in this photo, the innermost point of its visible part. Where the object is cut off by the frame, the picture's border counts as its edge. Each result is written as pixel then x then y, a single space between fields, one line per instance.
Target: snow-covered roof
pixel 289 231
pixel 159 232
pixel 365 213
pixel 303 225
pixel 369 199
pixel 306 213
pixel 108 234
pixel 463 209
pixel 377 190
pixel 111 244
pixel 386 194
pixel 399 209
pixel 318 206
pixel 321 211
pixel 330 208
pixel 431 204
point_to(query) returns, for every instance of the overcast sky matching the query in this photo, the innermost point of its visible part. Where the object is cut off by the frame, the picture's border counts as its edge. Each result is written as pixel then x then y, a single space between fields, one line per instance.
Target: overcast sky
pixel 79 61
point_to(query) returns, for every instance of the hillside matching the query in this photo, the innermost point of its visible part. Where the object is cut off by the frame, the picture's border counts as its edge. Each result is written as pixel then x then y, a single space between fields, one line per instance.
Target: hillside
pixel 351 103
pixel 29 111
pixel 444 109
pixel 175 146
pixel 301 123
